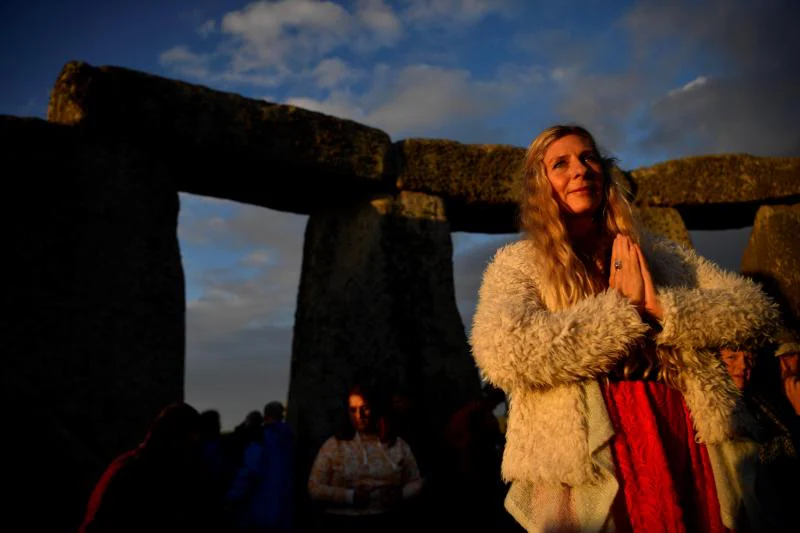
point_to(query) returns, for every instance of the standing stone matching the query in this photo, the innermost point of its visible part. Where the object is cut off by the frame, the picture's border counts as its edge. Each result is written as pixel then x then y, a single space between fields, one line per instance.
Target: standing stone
pixel 665 221
pixel 377 303
pixel 95 309
pixel 773 256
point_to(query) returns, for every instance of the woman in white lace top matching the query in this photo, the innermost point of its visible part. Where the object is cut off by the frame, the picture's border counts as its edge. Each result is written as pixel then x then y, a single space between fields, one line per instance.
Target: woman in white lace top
pixel 361 476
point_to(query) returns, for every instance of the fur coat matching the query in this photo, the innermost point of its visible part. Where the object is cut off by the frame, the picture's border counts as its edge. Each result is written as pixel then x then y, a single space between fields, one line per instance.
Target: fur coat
pixel 544 359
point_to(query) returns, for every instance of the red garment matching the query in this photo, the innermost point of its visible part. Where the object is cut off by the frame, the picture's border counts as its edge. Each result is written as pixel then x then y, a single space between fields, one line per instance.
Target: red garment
pixel 665 476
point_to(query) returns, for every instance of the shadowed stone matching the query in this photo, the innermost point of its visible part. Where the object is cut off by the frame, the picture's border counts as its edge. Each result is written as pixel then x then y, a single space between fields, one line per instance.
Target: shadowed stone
pixel 773 256
pixel 480 182
pixel 97 343
pixel 718 179
pixel 224 145
pixel 665 221
pixel 719 191
pixel 377 302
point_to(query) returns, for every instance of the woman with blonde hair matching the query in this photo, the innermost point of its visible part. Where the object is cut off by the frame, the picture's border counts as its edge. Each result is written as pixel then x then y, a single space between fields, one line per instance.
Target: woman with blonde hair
pixel 603 337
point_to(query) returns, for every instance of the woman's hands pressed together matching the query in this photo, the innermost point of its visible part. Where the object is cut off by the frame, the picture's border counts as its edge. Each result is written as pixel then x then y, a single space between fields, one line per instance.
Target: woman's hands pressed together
pixel 630 275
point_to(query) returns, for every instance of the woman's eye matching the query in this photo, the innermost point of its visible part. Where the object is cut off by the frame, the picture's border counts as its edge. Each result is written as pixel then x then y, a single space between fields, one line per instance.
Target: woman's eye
pixel 558 164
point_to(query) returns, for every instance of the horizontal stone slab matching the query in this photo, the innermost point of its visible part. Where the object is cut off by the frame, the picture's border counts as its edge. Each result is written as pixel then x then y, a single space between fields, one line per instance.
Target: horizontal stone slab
pixel 481 183
pixel 718 179
pixel 65 169
pixel 225 145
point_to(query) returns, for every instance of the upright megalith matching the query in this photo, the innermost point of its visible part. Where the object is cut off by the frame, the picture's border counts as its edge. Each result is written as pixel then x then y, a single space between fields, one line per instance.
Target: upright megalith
pixel 96 299
pixel 773 256
pixel 665 221
pixel 377 304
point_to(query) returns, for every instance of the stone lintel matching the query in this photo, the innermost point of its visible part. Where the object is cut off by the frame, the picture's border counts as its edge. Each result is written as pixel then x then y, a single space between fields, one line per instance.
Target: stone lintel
pixel 724 180
pixel 225 145
pixel 480 183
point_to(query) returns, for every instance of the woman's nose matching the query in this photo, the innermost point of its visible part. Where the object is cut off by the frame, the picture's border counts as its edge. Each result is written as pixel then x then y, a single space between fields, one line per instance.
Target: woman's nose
pixel 579 169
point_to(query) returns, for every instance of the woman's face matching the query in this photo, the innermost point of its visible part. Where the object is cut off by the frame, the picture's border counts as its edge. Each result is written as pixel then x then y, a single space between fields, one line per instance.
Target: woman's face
pixel 360 413
pixel 575 172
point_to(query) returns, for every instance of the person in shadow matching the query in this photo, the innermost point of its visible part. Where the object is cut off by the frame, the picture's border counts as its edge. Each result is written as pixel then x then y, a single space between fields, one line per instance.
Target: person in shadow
pixel 261 496
pixel 161 485
pixel 362 476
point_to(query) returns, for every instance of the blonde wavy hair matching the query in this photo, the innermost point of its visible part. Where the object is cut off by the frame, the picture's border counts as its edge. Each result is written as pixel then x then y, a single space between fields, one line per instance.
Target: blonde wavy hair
pixel 566 278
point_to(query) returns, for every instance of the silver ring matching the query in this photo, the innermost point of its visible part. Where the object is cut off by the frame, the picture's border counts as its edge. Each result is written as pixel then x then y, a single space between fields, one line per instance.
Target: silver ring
pixel 617 265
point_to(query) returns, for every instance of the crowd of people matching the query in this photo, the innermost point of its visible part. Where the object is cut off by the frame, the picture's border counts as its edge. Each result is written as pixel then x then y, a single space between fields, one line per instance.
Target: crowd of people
pixel 187 475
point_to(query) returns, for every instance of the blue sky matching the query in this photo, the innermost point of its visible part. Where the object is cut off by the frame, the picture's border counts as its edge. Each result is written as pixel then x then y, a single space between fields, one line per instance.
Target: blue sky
pixel 653 80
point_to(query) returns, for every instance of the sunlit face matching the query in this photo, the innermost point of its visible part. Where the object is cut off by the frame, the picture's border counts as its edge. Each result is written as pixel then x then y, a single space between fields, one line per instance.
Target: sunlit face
pixel 739 363
pixel 790 364
pixel 575 172
pixel 360 412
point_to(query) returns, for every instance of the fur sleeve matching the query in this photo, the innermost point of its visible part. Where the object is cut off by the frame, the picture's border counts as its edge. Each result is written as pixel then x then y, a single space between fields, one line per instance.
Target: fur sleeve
pixel 517 342
pixel 711 306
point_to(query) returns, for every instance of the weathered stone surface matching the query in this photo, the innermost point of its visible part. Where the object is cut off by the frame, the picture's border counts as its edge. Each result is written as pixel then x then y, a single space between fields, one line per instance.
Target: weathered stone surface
pixel 224 145
pixel 95 342
pixel 773 256
pixel 718 179
pixel 377 302
pixel 665 221
pixel 481 182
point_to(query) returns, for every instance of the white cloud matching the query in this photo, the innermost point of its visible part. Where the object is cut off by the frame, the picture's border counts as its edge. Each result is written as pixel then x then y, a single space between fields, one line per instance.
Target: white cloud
pixel 271 34
pixel 422 97
pixel 239 327
pixel 444 12
pixel 186 62
pixel 244 227
pixel 690 86
pixel 333 72
pixel 289 33
pixel 416 99
pixel 269 42
pixel 207 28
pixel 745 102
pixel 746 114
pixel 258 258
pixel 379 18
